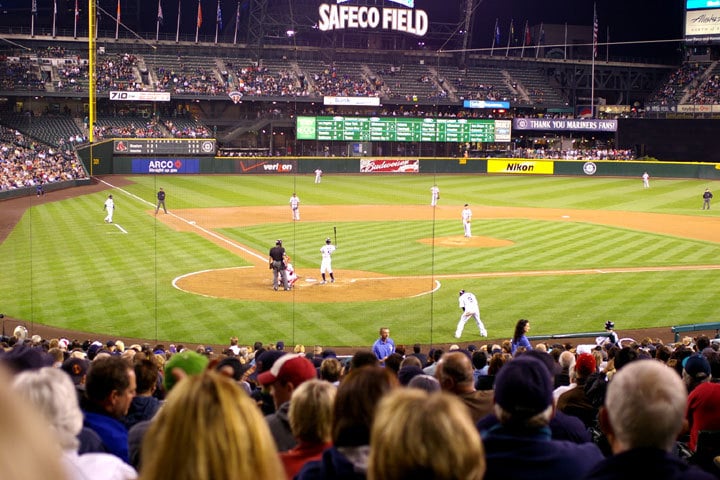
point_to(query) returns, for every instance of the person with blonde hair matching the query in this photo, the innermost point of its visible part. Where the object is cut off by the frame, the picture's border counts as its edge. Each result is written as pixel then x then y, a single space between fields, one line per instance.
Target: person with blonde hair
pixel 450 447
pixel 311 414
pixel 209 429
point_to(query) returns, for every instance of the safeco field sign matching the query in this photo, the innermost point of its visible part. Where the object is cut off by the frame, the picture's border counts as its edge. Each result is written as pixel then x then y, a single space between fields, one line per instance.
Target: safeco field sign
pixel 407 20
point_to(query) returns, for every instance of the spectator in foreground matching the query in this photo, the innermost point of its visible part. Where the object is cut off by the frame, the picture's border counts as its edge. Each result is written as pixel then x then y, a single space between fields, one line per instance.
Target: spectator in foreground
pixel 109 391
pixel 286 374
pixel 25 455
pixel 51 393
pixel 641 418
pixel 448 447
pixel 520 446
pixel 455 374
pixel 209 429
pixel 355 404
pixel 310 414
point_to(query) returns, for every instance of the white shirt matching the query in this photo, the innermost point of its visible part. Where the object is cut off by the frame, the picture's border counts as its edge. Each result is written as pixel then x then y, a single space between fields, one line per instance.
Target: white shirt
pixel 327 250
pixel 469 301
pixel 318 172
pixel 109 204
pixel 435 191
pixel 294 202
pixel 466 215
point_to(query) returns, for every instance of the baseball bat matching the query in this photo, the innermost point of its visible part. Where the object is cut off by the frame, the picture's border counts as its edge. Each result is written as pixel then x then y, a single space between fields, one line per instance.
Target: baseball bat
pixel 335 232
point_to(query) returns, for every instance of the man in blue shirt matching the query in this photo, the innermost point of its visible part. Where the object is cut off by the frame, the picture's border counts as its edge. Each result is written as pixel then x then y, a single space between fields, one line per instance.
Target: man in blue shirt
pixel 383 346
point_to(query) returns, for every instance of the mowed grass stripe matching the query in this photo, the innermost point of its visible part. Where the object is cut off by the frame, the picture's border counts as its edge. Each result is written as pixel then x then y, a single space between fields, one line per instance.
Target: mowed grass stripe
pixel 65 267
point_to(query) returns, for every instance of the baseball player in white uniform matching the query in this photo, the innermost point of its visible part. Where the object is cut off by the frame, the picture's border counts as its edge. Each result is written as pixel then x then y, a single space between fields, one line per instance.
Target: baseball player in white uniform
pixel 434 195
pixel 470 308
pixel 646 180
pixel 466 220
pixel 326 263
pixel 109 207
pixel 318 175
pixel 295 206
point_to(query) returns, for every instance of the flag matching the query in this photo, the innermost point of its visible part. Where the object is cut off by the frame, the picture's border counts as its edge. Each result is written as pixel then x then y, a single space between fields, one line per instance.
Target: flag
pixel 512 32
pixel 33 8
pixel 528 38
pixel 497 32
pixel 542 34
pixel 595 30
pixel 199 15
pixel 77 11
pixel 160 12
pixel 219 16
pixel 55 8
pixel 118 12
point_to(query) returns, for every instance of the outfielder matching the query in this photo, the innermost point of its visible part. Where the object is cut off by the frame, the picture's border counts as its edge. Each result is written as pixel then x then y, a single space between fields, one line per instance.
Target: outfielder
pixel 466 220
pixel 434 195
pixel 295 206
pixel 109 207
pixel 326 263
pixel 470 308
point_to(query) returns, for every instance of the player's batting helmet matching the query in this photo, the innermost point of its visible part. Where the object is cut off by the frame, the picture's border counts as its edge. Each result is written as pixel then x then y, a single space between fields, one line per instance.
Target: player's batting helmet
pixel 609 325
pixel 327 240
pixel 461 292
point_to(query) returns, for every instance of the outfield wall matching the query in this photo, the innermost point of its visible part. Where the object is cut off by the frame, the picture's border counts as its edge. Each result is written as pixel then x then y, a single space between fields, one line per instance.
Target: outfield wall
pixel 504 166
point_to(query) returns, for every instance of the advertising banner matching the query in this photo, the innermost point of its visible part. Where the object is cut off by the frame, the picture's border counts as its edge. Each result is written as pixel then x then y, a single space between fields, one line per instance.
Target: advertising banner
pixel 389 166
pixel 165 165
pixel 522 167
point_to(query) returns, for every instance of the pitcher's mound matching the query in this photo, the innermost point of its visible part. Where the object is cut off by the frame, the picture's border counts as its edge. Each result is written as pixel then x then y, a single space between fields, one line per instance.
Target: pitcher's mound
pixel 461 241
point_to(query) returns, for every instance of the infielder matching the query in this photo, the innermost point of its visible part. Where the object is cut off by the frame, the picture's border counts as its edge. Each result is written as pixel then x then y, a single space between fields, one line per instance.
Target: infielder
pixel 109 207
pixel 470 308
pixel 466 220
pixel 295 206
pixel 434 195
pixel 326 263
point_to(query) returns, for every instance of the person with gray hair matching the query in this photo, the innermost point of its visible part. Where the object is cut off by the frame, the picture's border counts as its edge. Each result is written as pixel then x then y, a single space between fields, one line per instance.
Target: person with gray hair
pixel 51 393
pixel 642 417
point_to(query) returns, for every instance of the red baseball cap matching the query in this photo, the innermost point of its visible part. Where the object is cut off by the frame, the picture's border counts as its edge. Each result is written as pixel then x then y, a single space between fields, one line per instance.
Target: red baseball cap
pixel 290 368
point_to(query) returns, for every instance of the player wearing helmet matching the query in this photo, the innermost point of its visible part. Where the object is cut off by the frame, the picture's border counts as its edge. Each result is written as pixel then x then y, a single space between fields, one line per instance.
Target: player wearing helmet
pixel 470 308
pixel 326 263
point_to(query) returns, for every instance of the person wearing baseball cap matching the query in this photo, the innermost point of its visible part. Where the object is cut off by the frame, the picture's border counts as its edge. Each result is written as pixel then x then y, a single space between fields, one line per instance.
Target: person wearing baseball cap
pixel 276 262
pixel 521 446
pixel 286 374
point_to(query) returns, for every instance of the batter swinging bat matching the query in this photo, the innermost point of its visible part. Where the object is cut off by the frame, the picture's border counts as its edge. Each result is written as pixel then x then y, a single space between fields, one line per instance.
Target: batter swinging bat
pixel 335 232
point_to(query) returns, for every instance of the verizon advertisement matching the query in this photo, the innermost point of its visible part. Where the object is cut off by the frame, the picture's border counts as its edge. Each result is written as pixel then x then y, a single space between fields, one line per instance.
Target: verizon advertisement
pixel 389 166
pixel 265 166
pixel 702 23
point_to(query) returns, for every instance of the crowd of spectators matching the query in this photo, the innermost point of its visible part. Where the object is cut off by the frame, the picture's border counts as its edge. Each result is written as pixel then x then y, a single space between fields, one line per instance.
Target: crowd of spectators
pixel 194 80
pixel 472 412
pixel 260 81
pixel 117 72
pixel 26 164
pixel 148 129
pixel 707 93
pixel 575 154
pixel 330 82
pixel 678 81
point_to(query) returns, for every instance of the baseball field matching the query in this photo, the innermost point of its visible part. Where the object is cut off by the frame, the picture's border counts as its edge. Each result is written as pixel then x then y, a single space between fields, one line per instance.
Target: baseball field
pixel 566 253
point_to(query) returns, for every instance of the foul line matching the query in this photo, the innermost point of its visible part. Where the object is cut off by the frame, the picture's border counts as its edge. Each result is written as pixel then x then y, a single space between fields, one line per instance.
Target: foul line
pixel 189 222
pixel 121 229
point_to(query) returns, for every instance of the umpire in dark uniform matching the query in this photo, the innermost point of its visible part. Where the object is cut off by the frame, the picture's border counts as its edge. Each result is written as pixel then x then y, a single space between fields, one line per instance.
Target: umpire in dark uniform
pixel 277 265
pixel 161 201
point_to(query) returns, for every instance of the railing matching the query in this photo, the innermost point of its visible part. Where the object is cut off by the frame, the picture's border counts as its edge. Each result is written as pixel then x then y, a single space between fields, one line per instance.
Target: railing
pixel 696 327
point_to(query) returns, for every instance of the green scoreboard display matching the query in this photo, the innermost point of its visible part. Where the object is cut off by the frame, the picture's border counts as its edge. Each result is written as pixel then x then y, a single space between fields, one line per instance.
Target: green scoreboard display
pixel 403 129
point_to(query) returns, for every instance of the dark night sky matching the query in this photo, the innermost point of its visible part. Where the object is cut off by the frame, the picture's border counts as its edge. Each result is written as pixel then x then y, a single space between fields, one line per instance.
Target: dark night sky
pixel 628 20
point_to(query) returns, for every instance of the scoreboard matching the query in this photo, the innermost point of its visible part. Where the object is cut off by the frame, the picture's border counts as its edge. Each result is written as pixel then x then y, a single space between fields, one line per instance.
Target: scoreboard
pixel 403 129
pixel 164 146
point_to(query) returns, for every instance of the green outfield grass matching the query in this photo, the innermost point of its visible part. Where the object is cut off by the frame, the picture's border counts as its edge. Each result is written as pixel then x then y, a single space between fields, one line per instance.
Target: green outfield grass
pixel 63 266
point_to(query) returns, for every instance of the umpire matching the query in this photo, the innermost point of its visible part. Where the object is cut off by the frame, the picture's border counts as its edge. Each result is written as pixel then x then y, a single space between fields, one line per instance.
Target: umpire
pixel 277 265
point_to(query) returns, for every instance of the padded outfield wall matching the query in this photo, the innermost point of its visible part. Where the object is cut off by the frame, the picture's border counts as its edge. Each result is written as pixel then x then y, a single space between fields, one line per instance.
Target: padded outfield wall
pixel 507 166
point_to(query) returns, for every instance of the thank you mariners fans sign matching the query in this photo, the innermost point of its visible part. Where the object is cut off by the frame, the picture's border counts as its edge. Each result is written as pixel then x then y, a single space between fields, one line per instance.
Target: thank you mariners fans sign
pixel 340 16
